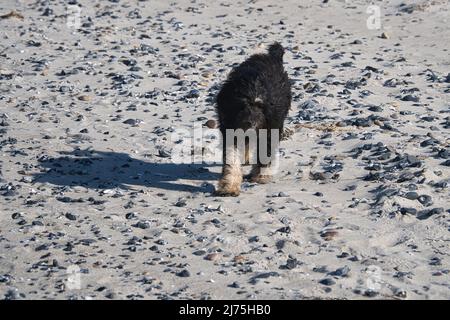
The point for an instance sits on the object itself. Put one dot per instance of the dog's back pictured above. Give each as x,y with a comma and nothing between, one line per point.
257,93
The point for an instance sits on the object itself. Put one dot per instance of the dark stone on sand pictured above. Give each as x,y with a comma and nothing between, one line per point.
327,282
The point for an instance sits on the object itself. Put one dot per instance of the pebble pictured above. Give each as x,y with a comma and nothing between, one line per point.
212,256
84,98
291,263
370,293
142,224
211,124
405,210
425,200
400,293
199,252
329,235
425,214
410,97
264,275
71,216
184,273
130,215
412,195
327,282
133,122
341,272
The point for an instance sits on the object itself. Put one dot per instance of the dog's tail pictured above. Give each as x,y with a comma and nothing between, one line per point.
276,50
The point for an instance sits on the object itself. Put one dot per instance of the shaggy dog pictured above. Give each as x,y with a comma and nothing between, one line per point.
255,96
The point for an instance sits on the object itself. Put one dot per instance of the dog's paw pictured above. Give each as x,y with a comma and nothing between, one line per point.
227,189
261,179
227,192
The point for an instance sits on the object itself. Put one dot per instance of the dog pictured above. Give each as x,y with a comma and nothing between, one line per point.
256,95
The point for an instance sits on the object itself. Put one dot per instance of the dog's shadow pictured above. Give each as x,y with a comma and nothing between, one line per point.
108,170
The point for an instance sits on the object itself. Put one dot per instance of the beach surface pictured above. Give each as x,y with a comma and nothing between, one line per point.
93,204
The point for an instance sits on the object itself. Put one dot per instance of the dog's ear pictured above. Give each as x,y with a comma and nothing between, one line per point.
276,50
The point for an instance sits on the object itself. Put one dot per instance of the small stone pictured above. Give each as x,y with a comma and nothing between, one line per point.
425,214
199,252
329,234
130,215
16,215
207,74
435,261
280,244
401,293
212,256
284,230
327,282
161,242
142,225
84,98
384,35
370,293
181,203
343,255
264,275
341,272
239,259
71,216
194,93
412,195
291,263
410,98
163,153
320,269
211,124
42,247
425,200
183,274
5,278
405,210
375,109
132,122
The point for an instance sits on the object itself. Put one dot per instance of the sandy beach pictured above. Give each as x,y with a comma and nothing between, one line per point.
93,205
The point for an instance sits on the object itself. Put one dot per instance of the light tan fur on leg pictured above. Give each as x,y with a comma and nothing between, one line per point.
248,154
230,183
261,174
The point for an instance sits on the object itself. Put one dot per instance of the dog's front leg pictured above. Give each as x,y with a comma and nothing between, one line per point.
230,183
261,174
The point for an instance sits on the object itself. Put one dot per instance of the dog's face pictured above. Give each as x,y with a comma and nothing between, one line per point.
250,117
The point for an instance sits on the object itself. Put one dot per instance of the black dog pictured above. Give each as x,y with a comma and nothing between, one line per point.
255,96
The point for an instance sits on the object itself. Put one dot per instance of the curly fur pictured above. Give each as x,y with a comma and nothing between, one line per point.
256,95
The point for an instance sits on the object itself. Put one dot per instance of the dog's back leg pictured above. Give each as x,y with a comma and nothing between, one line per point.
262,171
230,182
